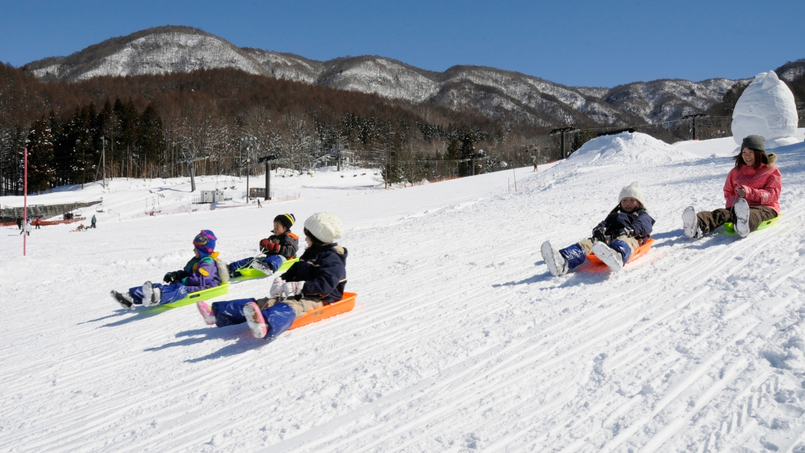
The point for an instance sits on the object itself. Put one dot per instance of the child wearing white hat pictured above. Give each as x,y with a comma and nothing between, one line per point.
612,241
317,279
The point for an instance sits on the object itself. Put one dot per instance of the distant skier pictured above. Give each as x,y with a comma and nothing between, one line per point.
38,223
26,227
613,240
92,221
752,193
317,279
201,272
280,246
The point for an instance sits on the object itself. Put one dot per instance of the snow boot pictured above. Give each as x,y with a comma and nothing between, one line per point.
610,256
269,264
206,312
741,225
125,300
690,223
557,264
151,295
254,317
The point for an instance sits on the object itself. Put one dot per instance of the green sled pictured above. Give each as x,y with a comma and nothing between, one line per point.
728,228
192,298
248,273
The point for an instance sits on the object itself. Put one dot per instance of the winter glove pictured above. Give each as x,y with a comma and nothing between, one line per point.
625,231
171,277
292,289
598,234
266,246
276,288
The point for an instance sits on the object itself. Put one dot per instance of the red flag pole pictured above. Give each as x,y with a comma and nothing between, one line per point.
25,207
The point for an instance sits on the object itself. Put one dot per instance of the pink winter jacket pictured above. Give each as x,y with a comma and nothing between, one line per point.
762,186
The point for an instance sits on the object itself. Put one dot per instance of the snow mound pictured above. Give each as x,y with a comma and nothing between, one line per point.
766,108
627,148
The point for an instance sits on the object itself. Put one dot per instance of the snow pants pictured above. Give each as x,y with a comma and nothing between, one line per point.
273,261
710,220
587,244
278,315
577,253
168,293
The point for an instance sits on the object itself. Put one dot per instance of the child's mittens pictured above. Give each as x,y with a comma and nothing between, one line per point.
293,288
171,277
625,231
264,244
269,247
599,234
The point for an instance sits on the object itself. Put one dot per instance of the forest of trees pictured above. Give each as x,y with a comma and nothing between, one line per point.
224,121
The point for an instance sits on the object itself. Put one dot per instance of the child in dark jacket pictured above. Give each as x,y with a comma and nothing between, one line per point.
613,240
201,272
317,279
280,246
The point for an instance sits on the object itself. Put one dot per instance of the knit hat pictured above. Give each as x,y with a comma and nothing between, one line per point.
287,220
205,242
756,142
633,190
324,226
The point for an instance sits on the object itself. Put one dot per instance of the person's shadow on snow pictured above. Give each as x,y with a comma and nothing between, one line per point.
136,315
583,274
244,341
677,237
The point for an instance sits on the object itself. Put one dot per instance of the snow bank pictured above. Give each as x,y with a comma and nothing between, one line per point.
627,148
766,108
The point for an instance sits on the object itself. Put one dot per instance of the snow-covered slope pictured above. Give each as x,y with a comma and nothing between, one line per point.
460,339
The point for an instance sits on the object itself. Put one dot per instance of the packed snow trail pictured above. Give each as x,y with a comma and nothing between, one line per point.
460,339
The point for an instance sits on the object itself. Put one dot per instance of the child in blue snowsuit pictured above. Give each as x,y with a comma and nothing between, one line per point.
613,240
280,246
317,279
201,272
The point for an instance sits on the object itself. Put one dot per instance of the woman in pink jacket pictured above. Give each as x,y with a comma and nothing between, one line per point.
752,193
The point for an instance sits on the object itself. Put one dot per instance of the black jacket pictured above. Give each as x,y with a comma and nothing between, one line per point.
323,269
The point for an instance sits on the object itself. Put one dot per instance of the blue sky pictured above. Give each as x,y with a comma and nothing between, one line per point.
575,43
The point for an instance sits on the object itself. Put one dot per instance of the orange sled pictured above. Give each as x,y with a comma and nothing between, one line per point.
640,251
344,305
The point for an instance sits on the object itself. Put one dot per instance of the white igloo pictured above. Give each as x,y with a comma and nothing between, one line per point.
766,108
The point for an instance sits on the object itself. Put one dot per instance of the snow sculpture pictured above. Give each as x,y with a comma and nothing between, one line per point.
766,108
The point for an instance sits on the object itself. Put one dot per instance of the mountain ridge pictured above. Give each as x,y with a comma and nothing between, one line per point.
495,93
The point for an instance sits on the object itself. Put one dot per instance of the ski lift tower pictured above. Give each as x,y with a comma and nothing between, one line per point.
192,170
562,132
268,159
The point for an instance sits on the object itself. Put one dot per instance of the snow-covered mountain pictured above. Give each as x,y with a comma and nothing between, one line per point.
492,92
460,339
